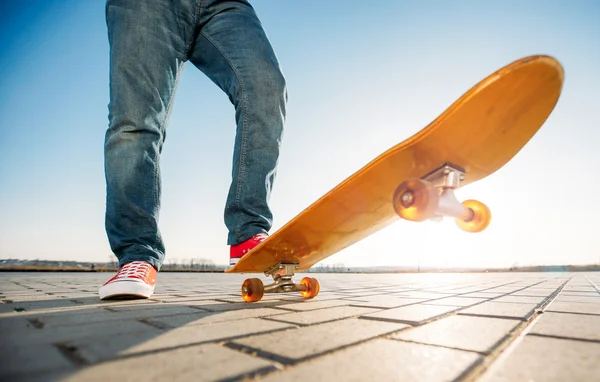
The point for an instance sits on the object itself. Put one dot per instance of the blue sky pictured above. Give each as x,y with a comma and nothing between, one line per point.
362,76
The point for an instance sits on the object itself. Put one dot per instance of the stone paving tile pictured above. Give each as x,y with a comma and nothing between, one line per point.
521,299
431,293
480,334
35,297
456,301
359,293
561,360
46,375
502,290
546,287
534,292
584,299
393,290
17,338
296,344
211,317
195,294
582,294
320,298
577,326
95,302
158,296
180,299
267,298
412,314
219,306
379,301
323,315
77,296
501,310
425,295
30,359
324,295
14,323
524,283
100,349
198,305
156,307
37,305
382,360
197,363
101,315
487,295
472,289
58,318
587,288
79,307
574,307
314,304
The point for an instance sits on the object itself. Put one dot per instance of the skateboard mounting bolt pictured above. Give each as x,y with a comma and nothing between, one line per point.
408,198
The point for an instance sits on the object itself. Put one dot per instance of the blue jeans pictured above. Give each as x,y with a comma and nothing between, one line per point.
150,41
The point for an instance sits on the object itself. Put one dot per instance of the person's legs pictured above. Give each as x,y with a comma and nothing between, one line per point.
149,41
148,45
232,49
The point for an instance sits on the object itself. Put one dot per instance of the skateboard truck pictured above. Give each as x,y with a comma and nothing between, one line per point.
432,197
446,179
282,276
282,273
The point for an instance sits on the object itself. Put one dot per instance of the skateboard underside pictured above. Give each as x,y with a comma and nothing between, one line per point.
415,179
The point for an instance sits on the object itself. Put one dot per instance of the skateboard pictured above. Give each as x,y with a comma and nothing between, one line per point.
415,179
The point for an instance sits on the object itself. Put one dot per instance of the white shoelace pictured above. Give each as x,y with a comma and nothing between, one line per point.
135,269
261,237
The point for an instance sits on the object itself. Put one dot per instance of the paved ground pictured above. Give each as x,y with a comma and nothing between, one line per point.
426,327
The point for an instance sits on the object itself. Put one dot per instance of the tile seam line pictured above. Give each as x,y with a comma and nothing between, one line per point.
593,284
577,339
164,349
287,362
497,356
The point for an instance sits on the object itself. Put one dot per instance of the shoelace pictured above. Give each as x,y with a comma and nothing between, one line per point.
135,269
260,237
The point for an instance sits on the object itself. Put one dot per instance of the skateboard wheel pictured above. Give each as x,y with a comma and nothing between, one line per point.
312,287
252,290
416,200
480,219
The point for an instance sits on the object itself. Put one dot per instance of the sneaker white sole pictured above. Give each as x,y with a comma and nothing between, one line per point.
233,261
125,289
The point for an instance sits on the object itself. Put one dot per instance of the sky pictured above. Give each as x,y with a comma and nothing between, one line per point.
361,77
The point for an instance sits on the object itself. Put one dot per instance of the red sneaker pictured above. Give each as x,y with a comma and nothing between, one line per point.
135,279
236,252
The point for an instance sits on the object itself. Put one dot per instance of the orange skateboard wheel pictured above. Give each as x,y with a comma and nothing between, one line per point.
480,218
312,287
416,200
252,290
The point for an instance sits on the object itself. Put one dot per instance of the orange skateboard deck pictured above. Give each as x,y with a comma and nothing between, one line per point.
415,179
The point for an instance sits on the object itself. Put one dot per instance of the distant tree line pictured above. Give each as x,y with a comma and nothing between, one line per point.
191,264
330,268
